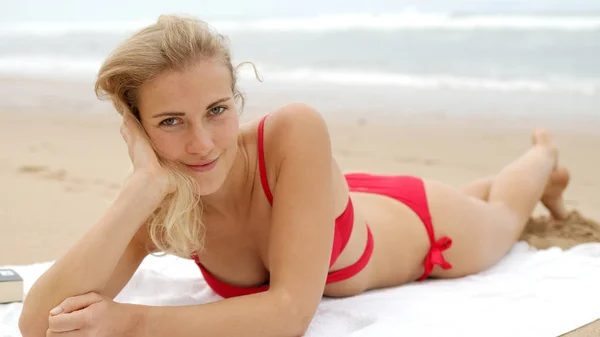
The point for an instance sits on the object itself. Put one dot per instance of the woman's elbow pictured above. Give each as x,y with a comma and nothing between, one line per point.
30,325
296,314
301,321
298,325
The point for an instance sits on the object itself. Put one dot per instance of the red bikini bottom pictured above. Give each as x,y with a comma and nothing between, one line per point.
411,192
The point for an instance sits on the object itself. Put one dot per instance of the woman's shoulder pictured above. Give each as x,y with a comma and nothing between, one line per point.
289,122
292,113
290,129
285,125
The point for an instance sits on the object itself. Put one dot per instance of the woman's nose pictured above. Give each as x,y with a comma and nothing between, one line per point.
200,141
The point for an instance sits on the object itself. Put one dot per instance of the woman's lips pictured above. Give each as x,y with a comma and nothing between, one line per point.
203,168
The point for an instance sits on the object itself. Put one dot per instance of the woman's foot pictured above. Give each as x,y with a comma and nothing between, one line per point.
541,137
552,198
559,179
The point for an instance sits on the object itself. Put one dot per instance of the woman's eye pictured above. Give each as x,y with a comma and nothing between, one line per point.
217,110
169,122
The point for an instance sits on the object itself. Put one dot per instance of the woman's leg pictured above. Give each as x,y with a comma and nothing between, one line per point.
552,197
479,188
484,231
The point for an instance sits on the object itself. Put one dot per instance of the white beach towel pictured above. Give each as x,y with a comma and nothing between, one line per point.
529,293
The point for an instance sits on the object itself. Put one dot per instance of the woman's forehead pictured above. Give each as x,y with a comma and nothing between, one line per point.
202,83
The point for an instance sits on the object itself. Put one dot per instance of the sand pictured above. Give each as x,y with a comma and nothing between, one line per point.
62,160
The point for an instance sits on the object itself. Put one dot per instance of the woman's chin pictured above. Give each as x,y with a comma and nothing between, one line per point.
206,186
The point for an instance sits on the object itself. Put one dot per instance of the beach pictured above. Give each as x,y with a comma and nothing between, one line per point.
448,91
62,159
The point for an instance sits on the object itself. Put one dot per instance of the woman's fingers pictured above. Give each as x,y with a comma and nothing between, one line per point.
76,303
67,322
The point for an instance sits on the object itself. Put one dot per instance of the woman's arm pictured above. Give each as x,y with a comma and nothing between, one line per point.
300,244
89,265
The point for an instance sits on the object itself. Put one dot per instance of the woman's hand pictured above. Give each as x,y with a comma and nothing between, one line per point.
91,315
143,157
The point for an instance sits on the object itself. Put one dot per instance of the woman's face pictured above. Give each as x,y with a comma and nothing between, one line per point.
192,119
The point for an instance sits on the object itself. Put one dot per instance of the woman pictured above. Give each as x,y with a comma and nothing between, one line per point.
262,207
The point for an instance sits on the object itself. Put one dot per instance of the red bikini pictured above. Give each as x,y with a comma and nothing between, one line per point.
406,189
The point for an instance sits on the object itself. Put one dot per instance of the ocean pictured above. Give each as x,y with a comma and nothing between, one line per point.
553,58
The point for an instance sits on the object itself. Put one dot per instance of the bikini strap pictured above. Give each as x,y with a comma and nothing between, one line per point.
261,160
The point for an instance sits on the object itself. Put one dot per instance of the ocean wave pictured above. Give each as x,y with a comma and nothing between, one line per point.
64,67
58,28
418,21
407,20
435,81
49,66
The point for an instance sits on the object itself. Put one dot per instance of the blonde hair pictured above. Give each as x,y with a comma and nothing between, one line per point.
171,44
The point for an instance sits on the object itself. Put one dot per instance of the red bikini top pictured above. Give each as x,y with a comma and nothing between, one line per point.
343,229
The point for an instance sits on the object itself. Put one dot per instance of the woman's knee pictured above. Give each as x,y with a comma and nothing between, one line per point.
506,223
